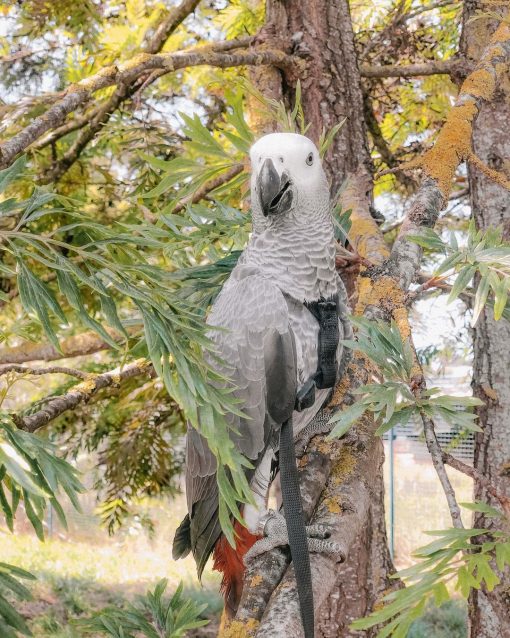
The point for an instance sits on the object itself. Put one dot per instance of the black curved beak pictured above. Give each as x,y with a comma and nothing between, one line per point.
275,194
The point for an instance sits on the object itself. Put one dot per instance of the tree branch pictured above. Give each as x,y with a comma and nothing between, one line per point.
470,471
77,346
154,42
454,66
208,187
125,74
80,393
267,570
73,372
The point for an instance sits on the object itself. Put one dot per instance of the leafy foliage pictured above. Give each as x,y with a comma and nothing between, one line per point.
151,616
391,400
11,621
485,259
31,472
459,559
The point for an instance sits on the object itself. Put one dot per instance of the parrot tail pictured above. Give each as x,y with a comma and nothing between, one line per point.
230,562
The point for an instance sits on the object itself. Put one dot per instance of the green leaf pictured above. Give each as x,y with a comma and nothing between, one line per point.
345,419
401,416
502,555
484,508
10,174
461,282
482,293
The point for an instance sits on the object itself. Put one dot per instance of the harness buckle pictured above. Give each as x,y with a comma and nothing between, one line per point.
305,396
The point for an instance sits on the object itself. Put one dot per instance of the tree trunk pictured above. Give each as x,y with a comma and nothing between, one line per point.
321,32
489,612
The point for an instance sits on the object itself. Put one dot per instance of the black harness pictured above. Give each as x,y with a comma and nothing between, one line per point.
326,313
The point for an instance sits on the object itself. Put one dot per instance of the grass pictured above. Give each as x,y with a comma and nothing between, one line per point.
85,570
78,577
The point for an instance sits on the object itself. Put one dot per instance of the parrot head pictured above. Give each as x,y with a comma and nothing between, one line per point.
287,177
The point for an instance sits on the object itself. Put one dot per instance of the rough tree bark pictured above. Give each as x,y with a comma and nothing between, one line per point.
489,612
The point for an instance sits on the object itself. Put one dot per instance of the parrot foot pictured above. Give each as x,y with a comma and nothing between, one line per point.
275,535
318,425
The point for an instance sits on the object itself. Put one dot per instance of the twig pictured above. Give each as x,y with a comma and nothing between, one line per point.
208,187
80,393
76,346
73,372
436,454
468,470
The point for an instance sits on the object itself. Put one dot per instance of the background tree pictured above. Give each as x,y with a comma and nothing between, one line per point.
491,208
137,216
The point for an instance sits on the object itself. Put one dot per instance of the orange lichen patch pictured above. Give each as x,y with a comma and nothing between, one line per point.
342,387
239,629
332,505
256,580
502,33
452,147
344,465
383,292
490,392
325,447
366,238
480,83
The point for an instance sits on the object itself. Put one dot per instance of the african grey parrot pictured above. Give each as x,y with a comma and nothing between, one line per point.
269,343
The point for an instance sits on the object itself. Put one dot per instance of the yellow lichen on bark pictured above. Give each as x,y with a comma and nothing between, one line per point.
452,147
332,505
502,33
480,83
364,236
256,580
239,629
383,292
86,387
343,466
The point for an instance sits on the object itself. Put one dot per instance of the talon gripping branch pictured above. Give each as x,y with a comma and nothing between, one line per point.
282,317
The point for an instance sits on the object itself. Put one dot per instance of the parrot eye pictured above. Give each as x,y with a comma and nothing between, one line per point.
309,159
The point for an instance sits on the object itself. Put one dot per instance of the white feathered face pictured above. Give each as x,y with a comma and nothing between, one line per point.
287,176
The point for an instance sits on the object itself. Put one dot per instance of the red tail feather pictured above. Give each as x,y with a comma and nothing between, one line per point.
229,562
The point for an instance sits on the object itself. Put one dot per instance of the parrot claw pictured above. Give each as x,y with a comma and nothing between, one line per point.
319,425
275,535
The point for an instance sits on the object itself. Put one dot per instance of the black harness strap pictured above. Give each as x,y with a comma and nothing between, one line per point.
326,313
294,518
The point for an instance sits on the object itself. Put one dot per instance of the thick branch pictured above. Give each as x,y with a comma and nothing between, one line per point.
81,392
267,570
453,66
125,74
77,346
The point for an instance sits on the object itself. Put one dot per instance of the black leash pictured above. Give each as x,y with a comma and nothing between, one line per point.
326,313
295,520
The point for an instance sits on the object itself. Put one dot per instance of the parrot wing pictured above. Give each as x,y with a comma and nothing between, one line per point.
250,329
